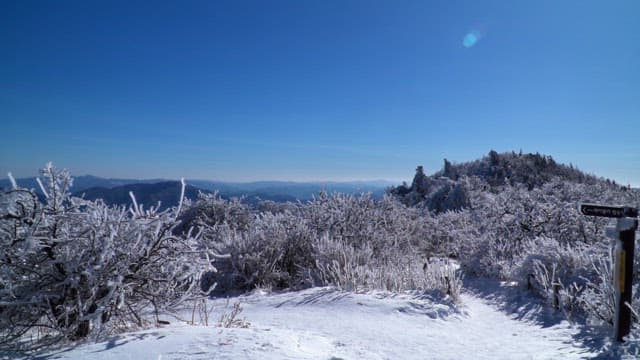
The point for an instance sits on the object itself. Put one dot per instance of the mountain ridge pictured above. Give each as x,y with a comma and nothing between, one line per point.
448,188
440,191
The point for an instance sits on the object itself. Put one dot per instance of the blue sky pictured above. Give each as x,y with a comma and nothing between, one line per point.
322,90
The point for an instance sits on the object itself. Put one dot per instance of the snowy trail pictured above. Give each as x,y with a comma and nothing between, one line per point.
322,323
513,339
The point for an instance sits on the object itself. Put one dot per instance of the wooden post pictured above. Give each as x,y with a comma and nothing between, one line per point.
625,248
556,296
627,224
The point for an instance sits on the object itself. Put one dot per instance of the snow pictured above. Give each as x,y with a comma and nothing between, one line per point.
324,323
626,224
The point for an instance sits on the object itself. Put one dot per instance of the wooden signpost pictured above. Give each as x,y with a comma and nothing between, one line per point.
627,223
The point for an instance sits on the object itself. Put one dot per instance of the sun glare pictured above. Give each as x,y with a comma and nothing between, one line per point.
471,38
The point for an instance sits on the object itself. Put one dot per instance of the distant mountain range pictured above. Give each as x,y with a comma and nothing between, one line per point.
81,182
150,191
440,191
166,193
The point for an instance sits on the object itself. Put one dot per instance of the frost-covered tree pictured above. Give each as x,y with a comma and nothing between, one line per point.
448,170
80,268
420,182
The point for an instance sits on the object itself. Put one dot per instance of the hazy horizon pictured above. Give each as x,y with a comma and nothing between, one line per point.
74,175
316,91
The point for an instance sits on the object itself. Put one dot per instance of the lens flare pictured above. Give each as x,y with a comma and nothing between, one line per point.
471,38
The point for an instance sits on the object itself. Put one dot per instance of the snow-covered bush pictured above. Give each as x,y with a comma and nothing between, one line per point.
359,220
273,251
212,210
359,269
79,268
563,273
341,264
365,244
353,242
538,237
598,298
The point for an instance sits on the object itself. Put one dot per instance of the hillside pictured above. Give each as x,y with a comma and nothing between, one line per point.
166,193
510,168
450,187
81,183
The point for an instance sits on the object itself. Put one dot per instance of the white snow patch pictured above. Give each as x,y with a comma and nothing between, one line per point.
323,323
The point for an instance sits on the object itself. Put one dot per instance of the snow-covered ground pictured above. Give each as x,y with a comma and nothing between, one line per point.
323,323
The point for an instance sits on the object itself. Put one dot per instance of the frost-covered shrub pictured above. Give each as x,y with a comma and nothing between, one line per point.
360,220
385,245
538,237
212,210
343,216
272,252
598,298
80,268
342,265
276,207
354,242
451,234
564,273
506,230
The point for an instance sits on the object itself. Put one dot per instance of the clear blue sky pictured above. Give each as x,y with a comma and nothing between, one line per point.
300,90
